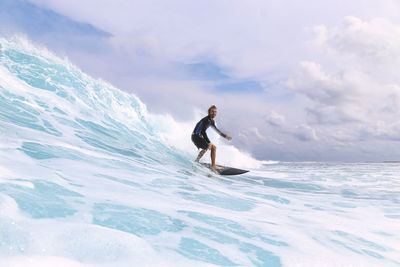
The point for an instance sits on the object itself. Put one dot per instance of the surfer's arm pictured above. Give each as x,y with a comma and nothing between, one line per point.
219,132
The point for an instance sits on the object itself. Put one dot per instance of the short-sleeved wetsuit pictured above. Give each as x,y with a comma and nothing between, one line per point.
199,135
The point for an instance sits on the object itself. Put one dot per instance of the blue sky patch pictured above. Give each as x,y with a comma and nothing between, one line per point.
34,20
204,71
240,87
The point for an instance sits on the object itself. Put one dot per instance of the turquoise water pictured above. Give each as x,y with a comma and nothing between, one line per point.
87,179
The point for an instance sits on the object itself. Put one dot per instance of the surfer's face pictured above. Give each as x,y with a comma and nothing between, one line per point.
213,113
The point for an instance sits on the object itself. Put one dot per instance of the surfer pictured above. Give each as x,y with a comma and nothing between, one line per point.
200,138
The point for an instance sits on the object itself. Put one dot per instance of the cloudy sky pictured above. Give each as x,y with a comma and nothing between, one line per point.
293,80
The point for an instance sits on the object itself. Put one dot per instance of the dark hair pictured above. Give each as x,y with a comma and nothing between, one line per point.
210,108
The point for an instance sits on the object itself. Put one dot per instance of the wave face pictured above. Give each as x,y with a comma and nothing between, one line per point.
85,179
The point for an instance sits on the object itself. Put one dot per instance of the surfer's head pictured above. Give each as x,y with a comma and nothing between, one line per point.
212,111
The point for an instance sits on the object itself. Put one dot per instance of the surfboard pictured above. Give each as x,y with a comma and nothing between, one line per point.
225,169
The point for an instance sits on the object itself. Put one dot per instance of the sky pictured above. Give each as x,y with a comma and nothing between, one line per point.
294,80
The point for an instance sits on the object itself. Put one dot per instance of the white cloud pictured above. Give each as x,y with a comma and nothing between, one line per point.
251,133
355,93
248,38
275,119
305,133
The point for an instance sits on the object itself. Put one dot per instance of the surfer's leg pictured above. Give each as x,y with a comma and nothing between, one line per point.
200,143
201,154
213,156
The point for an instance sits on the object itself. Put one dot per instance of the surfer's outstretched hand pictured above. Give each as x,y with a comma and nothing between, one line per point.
229,138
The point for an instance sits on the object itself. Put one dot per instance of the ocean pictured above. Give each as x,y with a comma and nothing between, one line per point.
88,177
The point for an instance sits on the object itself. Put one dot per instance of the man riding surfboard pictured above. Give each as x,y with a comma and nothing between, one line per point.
200,138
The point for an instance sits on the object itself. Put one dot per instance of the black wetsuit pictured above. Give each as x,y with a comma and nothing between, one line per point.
199,135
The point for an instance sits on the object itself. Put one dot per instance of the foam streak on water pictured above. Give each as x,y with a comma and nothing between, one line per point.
87,180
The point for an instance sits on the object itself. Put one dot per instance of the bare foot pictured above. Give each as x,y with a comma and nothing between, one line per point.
215,167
